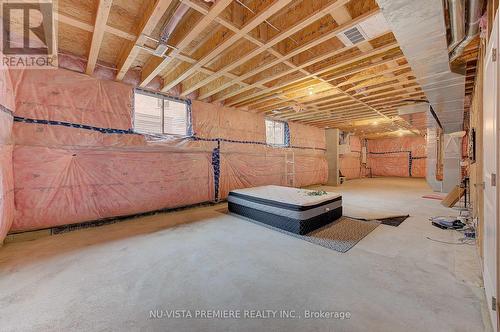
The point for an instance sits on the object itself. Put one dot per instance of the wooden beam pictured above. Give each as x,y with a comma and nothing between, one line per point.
99,28
369,85
309,63
132,37
125,35
275,40
254,22
376,51
148,23
368,77
358,69
295,52
337,96
90,28
341,15
304,116
373,108
343,115
237,14
344,106
155,65
397,88
365,46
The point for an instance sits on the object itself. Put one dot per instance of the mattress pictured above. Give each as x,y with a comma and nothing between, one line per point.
295,210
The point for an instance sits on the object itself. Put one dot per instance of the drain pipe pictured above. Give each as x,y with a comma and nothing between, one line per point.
473,16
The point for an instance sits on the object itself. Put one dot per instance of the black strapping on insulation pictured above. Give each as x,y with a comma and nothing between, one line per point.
190,130
196,138
410,158
215,152
74,125
216,156
216,167
131,132
6,110
287,134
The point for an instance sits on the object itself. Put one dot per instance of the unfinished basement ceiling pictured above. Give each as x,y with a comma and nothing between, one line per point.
319,62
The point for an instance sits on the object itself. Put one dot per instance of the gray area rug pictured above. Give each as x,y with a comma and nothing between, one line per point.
340,235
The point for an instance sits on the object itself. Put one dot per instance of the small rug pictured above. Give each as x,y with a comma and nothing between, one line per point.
389,221
393,221
340,235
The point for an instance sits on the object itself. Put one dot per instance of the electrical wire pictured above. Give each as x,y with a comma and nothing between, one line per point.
462,241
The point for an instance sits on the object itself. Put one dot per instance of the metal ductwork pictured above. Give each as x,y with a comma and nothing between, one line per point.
474,10
456,11
419,27
169,27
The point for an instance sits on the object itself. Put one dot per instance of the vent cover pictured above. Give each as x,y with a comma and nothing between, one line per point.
370,28
352,36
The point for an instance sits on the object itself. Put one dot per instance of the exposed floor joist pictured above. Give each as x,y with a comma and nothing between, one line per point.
101,18
267,56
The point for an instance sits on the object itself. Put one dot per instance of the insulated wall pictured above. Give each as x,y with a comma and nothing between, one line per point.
399,156
6,176
245,158
77,159
402,156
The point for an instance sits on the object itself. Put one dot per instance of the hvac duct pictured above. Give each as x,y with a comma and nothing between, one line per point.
456,13
179,13
420,30
167,30
474,10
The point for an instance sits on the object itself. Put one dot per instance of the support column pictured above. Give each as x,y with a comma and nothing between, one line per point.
332,156
452,172
432,160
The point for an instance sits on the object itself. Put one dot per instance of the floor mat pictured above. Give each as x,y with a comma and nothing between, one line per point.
389,221
341,235
393,221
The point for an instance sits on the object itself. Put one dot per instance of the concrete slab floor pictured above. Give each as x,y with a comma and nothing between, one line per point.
109,278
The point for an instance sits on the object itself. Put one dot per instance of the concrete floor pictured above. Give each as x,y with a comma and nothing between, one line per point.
109,278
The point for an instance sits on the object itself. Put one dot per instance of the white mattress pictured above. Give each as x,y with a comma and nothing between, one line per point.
287,195
284,212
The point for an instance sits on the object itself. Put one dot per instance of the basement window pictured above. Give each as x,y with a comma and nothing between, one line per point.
158,114
277,133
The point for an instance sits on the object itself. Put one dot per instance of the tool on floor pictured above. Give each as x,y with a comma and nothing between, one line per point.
447,222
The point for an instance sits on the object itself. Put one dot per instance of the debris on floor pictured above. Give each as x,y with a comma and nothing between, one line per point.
447,222
453,197
434,196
